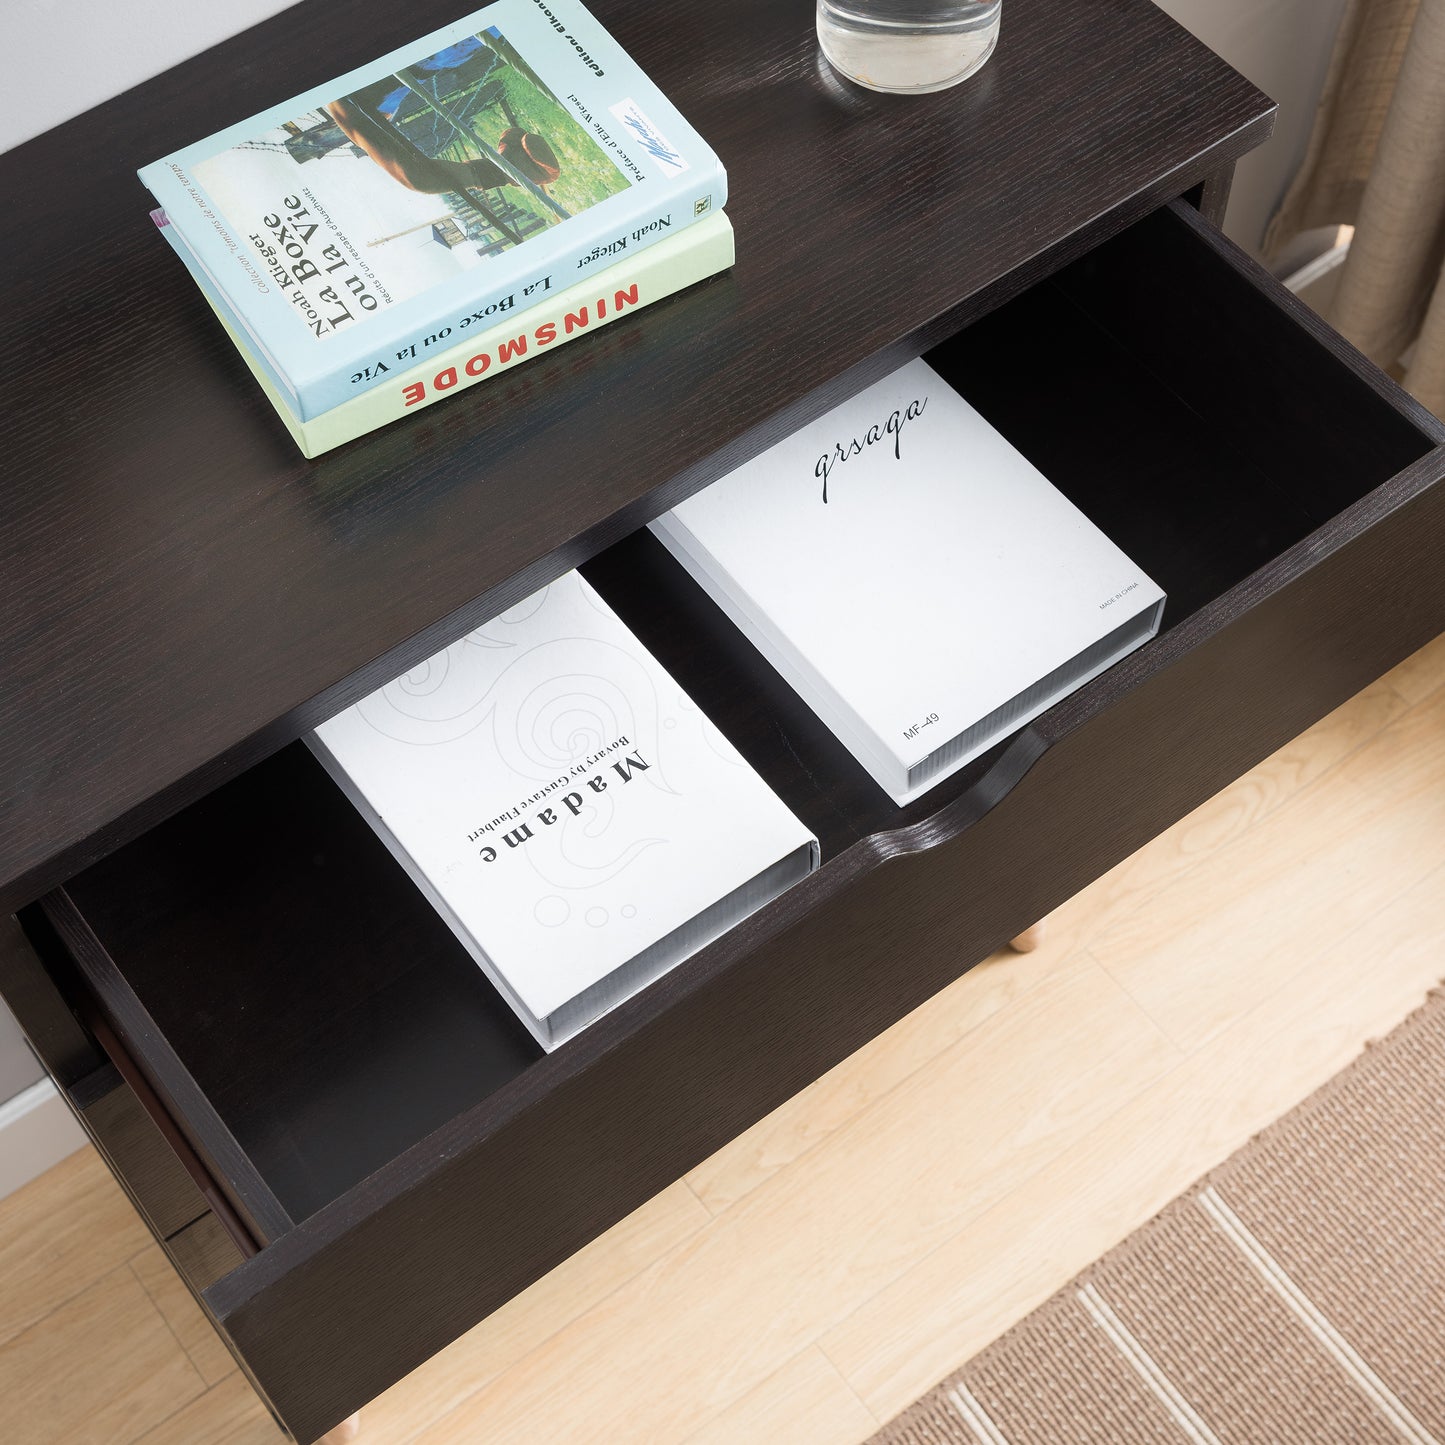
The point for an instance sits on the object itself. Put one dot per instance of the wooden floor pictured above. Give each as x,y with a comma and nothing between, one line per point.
815,1276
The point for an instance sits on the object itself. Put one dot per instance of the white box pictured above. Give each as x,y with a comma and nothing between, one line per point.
567,809
919,583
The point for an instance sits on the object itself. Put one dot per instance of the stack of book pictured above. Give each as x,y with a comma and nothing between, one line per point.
566,808
416,226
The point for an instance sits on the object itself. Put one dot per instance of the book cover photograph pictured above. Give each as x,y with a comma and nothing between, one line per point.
373,222
577,820
996,596
426,172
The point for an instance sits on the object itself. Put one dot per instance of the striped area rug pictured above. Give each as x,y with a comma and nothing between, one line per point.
1297,1294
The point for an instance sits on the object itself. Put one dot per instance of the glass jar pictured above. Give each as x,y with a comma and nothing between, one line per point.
907,47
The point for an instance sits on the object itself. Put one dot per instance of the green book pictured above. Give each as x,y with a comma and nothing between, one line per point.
681,260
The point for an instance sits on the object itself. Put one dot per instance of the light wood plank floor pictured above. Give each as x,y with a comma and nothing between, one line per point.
816,1275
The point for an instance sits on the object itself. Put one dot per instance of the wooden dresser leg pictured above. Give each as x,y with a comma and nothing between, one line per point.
347,1430
1030,938
1214,194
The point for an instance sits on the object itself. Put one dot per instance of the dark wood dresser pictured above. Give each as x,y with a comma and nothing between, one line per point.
309,1090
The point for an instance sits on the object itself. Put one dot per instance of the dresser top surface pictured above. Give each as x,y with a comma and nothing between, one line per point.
181,592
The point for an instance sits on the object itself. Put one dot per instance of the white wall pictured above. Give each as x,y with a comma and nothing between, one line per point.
1281,45
19,1068
100,49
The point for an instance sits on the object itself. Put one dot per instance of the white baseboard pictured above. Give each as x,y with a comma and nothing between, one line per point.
36,1131
1316,283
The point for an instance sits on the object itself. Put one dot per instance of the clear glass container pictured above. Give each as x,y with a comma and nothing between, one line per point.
907,47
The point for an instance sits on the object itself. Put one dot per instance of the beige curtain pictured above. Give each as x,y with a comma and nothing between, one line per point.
1376,160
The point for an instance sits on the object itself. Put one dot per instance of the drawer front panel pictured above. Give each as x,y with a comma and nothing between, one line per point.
143,1057
110,1095
165,1193
203,1252
138,1154
415,1264
158,1183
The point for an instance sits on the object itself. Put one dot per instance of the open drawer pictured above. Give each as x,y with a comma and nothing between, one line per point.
390,1148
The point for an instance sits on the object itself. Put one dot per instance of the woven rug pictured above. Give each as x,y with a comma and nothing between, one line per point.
1296,1294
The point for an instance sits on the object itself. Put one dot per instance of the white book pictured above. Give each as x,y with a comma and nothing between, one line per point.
923,587
563,804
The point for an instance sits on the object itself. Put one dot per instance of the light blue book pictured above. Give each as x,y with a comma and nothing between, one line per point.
375,220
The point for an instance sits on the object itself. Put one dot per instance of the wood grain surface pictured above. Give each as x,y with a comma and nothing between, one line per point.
352,1022
181,594
427,1244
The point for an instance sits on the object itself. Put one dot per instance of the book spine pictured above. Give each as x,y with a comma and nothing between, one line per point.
659,211
261,364
675,263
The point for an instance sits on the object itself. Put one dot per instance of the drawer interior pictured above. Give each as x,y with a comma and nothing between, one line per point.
262,950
